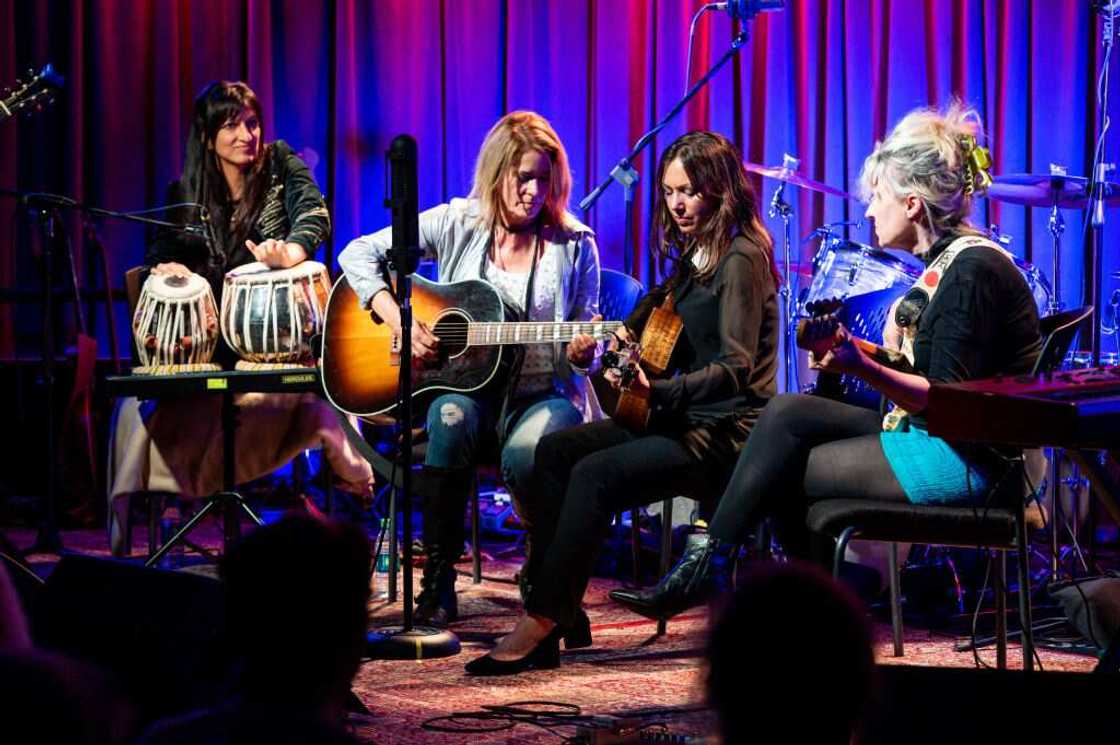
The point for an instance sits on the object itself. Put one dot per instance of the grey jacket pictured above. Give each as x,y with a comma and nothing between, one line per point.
452,235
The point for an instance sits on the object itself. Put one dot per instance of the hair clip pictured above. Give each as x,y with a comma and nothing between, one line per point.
977,162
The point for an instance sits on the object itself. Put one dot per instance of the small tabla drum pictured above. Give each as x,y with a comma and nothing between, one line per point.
843,268
270,315
175,326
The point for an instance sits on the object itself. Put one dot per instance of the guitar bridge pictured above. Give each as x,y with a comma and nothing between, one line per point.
395,350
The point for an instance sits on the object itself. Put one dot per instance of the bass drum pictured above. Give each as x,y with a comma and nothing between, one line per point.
843,268
1040,286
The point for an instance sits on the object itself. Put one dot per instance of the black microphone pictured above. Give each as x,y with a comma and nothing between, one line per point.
744,10
404,203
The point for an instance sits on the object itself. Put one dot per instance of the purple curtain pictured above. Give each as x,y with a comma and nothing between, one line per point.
821,80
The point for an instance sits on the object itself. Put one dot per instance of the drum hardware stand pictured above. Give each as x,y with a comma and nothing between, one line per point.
46,208
779,207
228,499
1057,225
406,642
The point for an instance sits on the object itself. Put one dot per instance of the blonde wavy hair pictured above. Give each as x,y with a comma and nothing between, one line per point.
925,155
515,134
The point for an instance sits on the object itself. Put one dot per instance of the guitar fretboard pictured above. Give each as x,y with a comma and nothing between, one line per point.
530,332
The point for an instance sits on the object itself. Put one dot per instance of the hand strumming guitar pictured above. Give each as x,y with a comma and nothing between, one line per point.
425,344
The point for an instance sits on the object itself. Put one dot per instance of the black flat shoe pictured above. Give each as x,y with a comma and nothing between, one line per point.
578,635
545,656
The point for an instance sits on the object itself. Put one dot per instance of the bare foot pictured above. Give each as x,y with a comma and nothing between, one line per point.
528,632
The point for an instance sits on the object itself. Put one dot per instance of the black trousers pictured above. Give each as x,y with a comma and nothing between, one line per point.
582,477
804,449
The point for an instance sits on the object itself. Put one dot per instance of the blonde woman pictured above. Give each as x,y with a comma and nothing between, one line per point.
515,232
973,318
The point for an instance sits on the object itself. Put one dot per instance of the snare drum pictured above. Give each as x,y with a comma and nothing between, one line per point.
1040,286
844,268
269,316
176,322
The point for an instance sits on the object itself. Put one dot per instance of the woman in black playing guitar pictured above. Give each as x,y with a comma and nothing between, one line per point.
723,289
970,315
514,231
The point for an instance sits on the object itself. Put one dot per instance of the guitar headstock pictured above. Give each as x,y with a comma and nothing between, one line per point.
819,332
827,307
34,93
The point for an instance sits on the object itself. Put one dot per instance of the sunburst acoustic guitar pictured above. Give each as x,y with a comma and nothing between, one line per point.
362,356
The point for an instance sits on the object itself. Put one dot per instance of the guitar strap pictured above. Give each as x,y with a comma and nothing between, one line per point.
908,309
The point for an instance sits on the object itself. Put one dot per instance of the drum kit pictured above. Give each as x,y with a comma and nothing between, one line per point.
268,318
847,269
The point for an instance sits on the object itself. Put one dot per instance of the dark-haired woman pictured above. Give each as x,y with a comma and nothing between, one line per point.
262,204
723,287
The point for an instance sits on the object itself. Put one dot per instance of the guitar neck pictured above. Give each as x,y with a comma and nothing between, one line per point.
891,358
532,332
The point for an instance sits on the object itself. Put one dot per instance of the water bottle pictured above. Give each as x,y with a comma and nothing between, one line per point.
381,563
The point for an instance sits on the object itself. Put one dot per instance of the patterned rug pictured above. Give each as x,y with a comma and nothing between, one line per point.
630,672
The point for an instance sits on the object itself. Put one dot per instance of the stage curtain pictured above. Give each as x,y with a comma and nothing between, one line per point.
821,80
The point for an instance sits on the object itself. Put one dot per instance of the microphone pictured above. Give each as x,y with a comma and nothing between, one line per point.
1098,194
404,203
744,10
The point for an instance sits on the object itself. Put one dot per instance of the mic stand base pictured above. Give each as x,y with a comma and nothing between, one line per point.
415,643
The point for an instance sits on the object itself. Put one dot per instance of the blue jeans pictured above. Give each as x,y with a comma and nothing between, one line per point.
458,424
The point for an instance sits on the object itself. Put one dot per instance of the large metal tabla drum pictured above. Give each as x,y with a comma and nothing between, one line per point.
269,316
175,326
842,269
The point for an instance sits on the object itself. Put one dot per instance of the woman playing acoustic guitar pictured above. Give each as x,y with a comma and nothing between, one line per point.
514,231
723,289
970,315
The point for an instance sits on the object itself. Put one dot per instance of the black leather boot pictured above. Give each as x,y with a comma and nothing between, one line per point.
447,491
701,574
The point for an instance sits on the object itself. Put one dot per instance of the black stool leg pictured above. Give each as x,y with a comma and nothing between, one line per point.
999,585
896,599
1025,615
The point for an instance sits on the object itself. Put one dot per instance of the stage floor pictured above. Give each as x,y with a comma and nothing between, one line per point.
629,671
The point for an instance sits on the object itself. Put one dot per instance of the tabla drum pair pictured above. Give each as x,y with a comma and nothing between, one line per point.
267,317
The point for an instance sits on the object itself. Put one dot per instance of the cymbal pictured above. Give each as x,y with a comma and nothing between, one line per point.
1045,190
780,173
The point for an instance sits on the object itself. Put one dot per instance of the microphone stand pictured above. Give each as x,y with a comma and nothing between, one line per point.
406,642
46,208
625,174
779,207
1097,179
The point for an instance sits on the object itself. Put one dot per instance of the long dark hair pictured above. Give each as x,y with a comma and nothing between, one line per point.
202,180
715,168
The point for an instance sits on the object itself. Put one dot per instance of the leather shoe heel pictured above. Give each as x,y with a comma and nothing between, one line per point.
545,656
578,635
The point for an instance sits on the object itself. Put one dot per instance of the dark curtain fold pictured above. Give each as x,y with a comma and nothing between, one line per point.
822,80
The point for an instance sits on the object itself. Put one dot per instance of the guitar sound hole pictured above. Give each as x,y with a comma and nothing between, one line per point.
451,328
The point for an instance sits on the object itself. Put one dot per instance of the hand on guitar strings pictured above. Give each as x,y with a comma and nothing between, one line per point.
171,267
425,345
581,349
843,357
